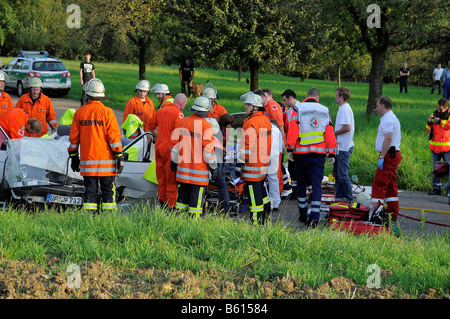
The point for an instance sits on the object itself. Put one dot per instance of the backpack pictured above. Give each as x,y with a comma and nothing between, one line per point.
343,211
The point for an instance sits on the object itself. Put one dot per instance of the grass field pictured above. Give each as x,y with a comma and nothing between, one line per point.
213,246
412,109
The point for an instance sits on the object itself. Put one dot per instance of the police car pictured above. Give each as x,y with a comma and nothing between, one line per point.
53,73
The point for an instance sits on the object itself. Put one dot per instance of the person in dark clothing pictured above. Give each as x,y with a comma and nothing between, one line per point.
187,71
404,75
87,72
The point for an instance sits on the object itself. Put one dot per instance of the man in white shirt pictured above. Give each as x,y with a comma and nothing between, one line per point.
344,131
384,187
437,78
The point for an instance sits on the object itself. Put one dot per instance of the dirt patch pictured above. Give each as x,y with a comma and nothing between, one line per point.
97,280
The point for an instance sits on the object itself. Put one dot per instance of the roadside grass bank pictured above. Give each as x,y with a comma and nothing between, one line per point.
213,253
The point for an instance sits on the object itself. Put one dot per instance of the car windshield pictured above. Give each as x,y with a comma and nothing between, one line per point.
48,66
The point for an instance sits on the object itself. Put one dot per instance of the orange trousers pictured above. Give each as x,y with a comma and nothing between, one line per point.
167,183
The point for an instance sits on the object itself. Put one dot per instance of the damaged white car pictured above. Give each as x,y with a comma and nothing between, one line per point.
37,170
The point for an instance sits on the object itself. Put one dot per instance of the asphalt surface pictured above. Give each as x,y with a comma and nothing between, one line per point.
420,213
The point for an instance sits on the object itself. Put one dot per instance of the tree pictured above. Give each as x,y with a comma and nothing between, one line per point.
137,20
251,32
399,25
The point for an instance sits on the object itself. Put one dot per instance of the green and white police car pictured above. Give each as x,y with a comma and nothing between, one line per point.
53,73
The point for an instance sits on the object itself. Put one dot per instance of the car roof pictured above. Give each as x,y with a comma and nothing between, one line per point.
37,56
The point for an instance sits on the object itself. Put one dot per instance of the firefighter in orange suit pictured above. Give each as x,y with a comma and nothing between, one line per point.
15,124
162,94
96,133
311,137
274,111
140,105
6,104
216,110
193,157
165,120
37,105
254,156
438,128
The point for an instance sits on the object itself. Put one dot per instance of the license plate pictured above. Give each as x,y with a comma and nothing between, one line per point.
52,80
64,199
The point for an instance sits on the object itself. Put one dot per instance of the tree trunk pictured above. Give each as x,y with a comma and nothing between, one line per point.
254,72
142,47
376,80
339,75
240,71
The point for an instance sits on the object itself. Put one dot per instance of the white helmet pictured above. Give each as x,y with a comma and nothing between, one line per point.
252,98
201,104
206,87
95,89
214,124
210,93
2,76
143,85
35,83
160,88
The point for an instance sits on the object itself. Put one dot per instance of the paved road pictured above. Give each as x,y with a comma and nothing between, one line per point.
436,208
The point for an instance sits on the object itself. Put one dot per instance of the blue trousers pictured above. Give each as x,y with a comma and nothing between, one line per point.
446,89
309,169
340,172
222,190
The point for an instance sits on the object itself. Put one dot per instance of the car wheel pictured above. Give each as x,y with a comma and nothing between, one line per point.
19,89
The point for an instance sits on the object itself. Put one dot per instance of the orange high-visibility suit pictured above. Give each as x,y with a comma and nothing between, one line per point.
274,112
217,111
193,141
144,110
42,109
14,123
256,143
254,153
6,104
165,101
96,132
165,119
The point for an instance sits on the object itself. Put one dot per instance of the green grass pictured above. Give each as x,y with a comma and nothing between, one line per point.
412,110
151,238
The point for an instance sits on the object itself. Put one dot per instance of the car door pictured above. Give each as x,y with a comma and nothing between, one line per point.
10,80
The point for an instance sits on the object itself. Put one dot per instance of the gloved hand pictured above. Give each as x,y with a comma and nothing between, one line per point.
75,161
331,160
290,155
120,162
380,163
173,166
214,173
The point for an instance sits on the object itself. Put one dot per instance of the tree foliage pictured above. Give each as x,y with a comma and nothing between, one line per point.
403,25
243,32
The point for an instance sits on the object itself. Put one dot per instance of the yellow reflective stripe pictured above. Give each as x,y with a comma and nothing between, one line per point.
90,206
440,143
181,206
252,195
314,133
200,197
303,141
443,122
266,200
109,206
